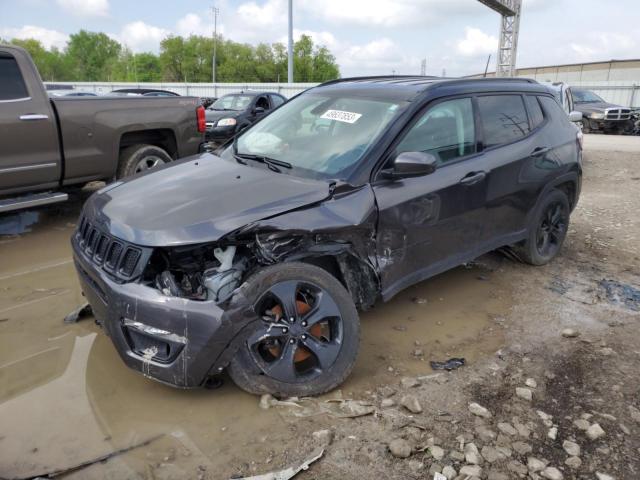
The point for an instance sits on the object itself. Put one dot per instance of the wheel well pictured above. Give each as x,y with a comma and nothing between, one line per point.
163,138
355,275
569,189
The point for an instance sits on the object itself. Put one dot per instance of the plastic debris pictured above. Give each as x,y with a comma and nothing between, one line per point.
451,364
79,313
291,471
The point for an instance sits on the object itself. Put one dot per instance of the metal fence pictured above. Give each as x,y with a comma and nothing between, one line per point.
618,92
194,89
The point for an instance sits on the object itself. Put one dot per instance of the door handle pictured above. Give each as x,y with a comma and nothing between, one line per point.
473,177
33,116
538,152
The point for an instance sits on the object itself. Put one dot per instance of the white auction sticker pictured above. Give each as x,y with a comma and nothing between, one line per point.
341,116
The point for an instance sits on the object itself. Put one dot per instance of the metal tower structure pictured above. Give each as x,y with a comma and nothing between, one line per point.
509,30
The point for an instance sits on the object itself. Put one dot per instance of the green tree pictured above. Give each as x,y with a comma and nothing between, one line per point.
93,56
51,63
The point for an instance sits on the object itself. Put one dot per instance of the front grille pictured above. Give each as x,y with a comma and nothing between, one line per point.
116,257
618,114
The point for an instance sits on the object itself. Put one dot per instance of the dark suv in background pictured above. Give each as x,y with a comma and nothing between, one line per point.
233,113
599,115
256,261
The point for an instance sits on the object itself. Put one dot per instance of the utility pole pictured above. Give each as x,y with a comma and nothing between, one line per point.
423,67
290,46
215,11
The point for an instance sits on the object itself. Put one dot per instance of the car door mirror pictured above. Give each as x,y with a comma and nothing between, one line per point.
258,110
575,116
412,164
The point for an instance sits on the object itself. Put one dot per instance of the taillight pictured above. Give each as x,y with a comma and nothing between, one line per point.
201,119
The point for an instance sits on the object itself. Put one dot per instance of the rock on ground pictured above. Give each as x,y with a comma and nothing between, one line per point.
572,448
595,431
400,448
552,473
479,410
411,403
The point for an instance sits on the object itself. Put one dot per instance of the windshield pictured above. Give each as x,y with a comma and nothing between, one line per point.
232,102
585,96
322,135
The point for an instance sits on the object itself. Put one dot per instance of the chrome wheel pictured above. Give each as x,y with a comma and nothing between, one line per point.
148,162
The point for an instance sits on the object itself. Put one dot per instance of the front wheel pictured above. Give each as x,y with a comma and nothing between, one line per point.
548,230
307,336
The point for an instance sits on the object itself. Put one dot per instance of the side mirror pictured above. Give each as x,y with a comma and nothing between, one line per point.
575,116
258,110
412,164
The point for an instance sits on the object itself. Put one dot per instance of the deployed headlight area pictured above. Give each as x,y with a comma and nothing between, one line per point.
204,272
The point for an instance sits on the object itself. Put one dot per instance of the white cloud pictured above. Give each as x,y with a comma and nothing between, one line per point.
606,46
476,42
86,8
193,24
48,38
387,13
141,37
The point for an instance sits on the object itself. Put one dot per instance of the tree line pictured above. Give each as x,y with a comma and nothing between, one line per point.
96,57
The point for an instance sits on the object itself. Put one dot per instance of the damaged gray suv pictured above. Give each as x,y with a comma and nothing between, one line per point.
257,260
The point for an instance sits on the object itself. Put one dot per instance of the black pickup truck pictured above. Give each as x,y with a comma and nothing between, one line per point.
49,144
599,115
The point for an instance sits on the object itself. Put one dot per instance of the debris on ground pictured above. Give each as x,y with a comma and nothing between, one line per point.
451,364
621,294
289,472
83,311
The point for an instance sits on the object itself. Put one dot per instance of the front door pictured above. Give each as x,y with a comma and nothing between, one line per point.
429,224
28,135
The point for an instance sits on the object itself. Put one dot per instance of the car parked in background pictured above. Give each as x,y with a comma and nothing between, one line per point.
70,93
234,112
145,92
599,115
256,260
49,143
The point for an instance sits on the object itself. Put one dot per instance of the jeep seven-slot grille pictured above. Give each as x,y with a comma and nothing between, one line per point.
113,255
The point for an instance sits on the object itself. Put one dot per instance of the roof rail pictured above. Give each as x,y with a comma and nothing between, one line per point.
423,77
380,77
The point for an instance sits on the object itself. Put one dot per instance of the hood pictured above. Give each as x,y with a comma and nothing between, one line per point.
215,115
596,107
196,200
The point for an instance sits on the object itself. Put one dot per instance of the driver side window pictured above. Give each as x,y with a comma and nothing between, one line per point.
446,130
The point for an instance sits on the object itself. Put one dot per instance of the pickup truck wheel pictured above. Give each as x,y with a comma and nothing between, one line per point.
307,338
547,231
586,126
139,158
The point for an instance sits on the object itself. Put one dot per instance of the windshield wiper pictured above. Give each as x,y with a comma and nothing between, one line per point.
272,163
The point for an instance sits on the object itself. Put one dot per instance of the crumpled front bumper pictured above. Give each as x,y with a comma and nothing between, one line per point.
174,340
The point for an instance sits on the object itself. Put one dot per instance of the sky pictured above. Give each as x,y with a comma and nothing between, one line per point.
366,36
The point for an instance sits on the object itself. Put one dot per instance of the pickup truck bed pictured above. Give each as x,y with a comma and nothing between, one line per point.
48,144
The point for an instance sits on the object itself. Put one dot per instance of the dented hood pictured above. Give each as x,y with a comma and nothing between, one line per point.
196,200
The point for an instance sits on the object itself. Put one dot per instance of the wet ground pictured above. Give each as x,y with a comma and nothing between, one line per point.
66,398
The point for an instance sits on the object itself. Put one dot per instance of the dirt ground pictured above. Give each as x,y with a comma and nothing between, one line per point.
550,388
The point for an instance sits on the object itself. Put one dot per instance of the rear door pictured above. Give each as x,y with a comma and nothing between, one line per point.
29,156
429,224
512,149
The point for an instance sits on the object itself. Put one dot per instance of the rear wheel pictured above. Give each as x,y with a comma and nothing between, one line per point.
548,231
306,341
140,158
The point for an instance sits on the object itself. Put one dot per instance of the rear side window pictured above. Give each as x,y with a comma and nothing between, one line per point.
551,107
276,100
446,130
12,84
536,116
504,119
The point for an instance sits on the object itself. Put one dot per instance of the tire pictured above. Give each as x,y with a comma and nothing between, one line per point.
551,221
139,158
260,365
586,126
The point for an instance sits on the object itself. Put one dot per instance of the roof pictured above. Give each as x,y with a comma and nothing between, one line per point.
407,87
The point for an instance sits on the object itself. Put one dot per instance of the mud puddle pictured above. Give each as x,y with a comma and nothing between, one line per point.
67,398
